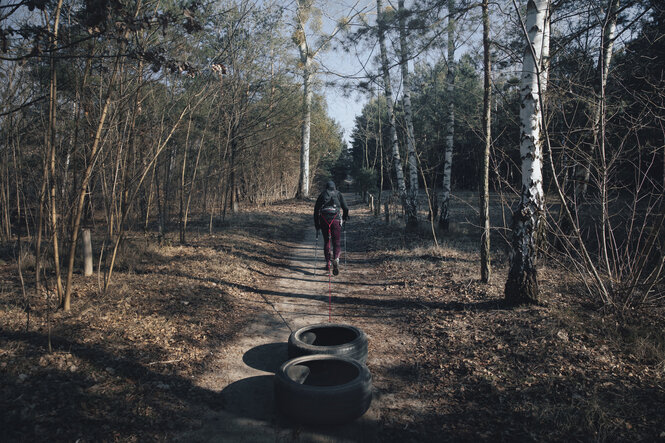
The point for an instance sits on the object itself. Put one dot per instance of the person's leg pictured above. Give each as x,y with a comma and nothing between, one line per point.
326,241
336,241
336,230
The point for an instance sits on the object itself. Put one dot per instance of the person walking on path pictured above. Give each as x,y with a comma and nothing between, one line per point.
327,218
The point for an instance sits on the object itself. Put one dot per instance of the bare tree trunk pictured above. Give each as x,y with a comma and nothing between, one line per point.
78,115
113,201
5,203
307,54
397,160
5,186
233,178
159,194
191,186
485,269
160,147
522,283
599,136
94,150
135,156
379,147
302,14
166,212
411,207
40,228
303,190
608,34
151,186
51,144
444,220
181,214
19,260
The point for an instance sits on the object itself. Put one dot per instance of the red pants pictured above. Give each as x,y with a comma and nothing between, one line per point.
329,230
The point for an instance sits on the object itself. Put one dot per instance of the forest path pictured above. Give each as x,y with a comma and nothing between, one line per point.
298,295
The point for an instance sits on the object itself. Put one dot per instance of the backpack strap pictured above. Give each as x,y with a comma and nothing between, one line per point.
332,205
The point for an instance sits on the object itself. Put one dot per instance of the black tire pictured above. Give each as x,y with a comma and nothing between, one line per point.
323,389
329,339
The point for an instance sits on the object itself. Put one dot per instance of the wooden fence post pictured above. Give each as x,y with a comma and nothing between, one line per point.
87,253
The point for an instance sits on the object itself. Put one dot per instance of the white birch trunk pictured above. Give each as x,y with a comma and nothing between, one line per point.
522,284
307,55
306,128
608,38
604,59
485,269
306,60
411,206
444,220
397,160
545,53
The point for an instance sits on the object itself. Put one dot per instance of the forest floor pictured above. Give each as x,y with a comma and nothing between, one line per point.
183,345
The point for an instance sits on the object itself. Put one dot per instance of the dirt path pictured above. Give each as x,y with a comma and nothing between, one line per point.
297,296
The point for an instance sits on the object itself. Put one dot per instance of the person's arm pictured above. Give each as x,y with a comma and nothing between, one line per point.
345,208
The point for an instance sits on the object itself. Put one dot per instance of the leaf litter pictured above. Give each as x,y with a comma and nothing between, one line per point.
125,364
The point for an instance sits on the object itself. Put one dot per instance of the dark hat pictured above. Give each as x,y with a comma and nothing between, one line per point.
330,185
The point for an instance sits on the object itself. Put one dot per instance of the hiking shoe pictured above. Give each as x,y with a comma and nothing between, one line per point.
328,267
336,266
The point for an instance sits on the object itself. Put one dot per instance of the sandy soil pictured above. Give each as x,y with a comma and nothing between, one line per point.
299,293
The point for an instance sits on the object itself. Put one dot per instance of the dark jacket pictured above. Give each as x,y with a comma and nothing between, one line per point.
330,200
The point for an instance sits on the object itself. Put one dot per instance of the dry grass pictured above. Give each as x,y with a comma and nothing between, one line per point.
565,370
124,365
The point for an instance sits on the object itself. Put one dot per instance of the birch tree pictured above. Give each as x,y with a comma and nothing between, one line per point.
397,160
608,35
444,220
522,283
306,56
485,270
411,205
307,52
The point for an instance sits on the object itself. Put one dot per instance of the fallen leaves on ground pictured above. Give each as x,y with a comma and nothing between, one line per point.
449,361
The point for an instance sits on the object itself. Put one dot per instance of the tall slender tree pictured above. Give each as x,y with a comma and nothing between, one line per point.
307,54
522,283
444,220
411,206
95,148
388,91
51,147
485,269
608,35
